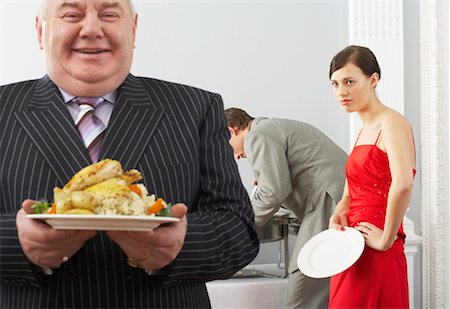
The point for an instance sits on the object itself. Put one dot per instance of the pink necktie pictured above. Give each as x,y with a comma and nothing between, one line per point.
91,128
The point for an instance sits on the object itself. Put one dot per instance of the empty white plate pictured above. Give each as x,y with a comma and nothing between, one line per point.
330,252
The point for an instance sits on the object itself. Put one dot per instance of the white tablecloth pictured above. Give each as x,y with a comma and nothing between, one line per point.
246,293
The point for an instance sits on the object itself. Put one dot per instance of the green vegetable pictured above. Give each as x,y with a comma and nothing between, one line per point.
165,212
41,207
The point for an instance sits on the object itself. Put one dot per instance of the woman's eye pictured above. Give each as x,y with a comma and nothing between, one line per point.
350,82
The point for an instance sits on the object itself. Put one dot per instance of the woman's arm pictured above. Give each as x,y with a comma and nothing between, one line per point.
399,144
339,218
397,141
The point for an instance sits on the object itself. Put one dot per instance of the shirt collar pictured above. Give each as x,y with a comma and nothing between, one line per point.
110,97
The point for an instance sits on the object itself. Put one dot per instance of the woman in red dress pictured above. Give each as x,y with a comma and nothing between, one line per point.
380,172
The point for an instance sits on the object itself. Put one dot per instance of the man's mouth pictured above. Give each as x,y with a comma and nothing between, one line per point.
91,51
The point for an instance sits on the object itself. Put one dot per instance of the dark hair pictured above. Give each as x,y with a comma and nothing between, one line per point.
237,117
360,56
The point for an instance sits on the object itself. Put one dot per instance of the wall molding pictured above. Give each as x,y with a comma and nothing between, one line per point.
434,49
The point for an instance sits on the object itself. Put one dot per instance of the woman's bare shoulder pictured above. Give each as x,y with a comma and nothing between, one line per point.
392,119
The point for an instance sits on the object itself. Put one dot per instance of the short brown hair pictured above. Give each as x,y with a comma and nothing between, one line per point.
237,117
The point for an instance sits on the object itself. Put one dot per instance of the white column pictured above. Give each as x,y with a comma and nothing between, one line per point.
378,25
434,44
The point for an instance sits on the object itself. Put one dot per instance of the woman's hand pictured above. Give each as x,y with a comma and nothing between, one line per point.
338,221
373,236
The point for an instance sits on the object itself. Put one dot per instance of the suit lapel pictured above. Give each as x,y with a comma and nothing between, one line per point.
50,126
133,121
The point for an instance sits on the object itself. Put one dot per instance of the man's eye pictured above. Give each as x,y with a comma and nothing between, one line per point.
109,16
72,17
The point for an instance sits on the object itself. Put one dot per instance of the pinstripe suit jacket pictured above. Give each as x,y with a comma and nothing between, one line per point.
176,136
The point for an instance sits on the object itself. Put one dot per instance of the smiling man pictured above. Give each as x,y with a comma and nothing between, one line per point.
89,107
88,45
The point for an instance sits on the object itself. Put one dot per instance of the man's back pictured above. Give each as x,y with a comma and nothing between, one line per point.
313,162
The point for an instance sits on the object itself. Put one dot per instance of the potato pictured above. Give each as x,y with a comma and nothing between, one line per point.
84,200
63,205
79,211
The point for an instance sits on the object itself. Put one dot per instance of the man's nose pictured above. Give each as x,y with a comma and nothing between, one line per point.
92,27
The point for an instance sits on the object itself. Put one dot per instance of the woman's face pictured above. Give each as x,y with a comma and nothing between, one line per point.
352,88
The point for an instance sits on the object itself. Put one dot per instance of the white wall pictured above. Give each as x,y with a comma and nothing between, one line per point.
270,58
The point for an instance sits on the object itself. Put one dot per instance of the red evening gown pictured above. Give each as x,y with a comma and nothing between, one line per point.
379,278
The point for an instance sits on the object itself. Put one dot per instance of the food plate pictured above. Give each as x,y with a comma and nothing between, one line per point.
330,252
104,222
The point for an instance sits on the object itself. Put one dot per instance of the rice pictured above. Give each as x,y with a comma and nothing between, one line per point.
126,203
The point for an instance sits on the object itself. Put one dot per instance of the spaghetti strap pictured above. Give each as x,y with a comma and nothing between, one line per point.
376,142
357,138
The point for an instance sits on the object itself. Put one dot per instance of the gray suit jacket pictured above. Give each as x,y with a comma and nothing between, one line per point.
295,165
177,137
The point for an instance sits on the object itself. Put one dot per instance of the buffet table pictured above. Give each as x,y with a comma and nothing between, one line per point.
260,291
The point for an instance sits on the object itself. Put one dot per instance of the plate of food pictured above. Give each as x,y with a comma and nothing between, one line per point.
103,222
330,252
102,196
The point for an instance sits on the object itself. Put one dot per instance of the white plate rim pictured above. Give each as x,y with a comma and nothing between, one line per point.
352,255
102,222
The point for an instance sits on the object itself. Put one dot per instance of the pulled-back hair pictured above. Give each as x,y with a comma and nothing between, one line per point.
237,117
360,56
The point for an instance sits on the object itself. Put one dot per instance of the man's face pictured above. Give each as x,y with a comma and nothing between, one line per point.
88,43
237,142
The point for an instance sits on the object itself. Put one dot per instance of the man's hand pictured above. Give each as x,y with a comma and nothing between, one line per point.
156,249
43,245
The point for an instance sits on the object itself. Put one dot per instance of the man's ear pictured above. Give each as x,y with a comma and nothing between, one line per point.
233,130
39,31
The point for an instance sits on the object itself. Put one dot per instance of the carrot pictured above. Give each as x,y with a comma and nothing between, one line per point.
135,188
156,207
53,209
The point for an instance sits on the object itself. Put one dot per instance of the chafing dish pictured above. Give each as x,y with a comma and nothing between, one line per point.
278,228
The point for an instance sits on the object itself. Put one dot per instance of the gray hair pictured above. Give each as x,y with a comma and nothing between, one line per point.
44,5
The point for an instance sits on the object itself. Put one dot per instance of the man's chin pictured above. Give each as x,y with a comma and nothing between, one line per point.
91,76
